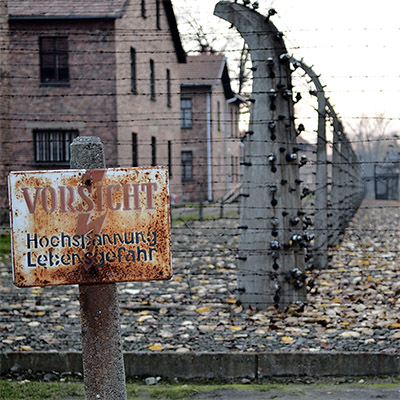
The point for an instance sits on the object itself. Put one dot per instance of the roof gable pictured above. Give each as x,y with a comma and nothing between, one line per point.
207,70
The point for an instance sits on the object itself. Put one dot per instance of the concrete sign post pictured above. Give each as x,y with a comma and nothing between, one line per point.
92,226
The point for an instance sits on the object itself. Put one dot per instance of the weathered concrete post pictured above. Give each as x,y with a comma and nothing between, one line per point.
336,177
271,268
320,250
103,363
345,150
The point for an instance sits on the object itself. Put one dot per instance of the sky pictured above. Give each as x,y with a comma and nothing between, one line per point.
354,45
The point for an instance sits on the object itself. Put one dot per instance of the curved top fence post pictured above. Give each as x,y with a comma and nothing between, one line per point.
272,242
320,251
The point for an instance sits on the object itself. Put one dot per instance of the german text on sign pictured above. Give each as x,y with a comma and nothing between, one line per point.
90,226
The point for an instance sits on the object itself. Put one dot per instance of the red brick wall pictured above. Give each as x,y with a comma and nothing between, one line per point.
195,139
139,113
87,103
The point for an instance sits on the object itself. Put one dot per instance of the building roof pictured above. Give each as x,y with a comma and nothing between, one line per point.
207,69
203,69
27,9
81,9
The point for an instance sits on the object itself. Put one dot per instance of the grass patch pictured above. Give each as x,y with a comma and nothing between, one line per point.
195,217
35,390
173,393
40,390
5,245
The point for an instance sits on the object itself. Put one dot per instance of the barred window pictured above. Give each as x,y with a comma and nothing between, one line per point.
153,151
169,88
186,113
152,81
158,20
134,149
133,71
52,146
170,157
53,60
143,7
187,165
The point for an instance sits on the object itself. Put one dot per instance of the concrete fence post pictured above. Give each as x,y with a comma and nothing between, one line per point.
320,250
271,265
337,184
103,364
347,181
335,188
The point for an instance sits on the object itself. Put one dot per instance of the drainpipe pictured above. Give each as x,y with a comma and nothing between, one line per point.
209,152
227,181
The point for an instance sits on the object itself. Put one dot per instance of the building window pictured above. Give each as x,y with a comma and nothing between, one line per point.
186,113
168,88
153,151
53,60
134,150
143,4
232,124
52,146
158,22
187,165
170,157
236,122
133,71
233,172
152,81
218,116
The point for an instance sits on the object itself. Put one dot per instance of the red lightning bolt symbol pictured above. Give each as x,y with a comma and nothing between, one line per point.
85,224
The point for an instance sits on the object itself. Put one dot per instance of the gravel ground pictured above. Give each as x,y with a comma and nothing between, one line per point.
353,306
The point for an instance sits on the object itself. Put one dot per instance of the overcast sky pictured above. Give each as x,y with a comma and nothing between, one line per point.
353,44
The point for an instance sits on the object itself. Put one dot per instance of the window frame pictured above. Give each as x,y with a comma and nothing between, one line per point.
143,9
152,80
153,151
56,67
53,150
133,71
135,150
169,144
187,165
219,116
158,16
186,123
169,94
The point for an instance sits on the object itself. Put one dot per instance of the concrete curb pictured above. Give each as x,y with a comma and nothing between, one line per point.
217,366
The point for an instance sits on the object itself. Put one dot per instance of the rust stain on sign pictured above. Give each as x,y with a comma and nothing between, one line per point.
90,226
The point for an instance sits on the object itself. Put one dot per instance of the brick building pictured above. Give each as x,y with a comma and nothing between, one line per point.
211,145
98,68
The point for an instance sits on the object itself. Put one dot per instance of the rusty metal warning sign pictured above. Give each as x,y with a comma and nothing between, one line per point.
90,226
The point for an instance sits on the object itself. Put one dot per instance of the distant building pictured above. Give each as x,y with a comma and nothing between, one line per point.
211,145
95,68
387,176
307,157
